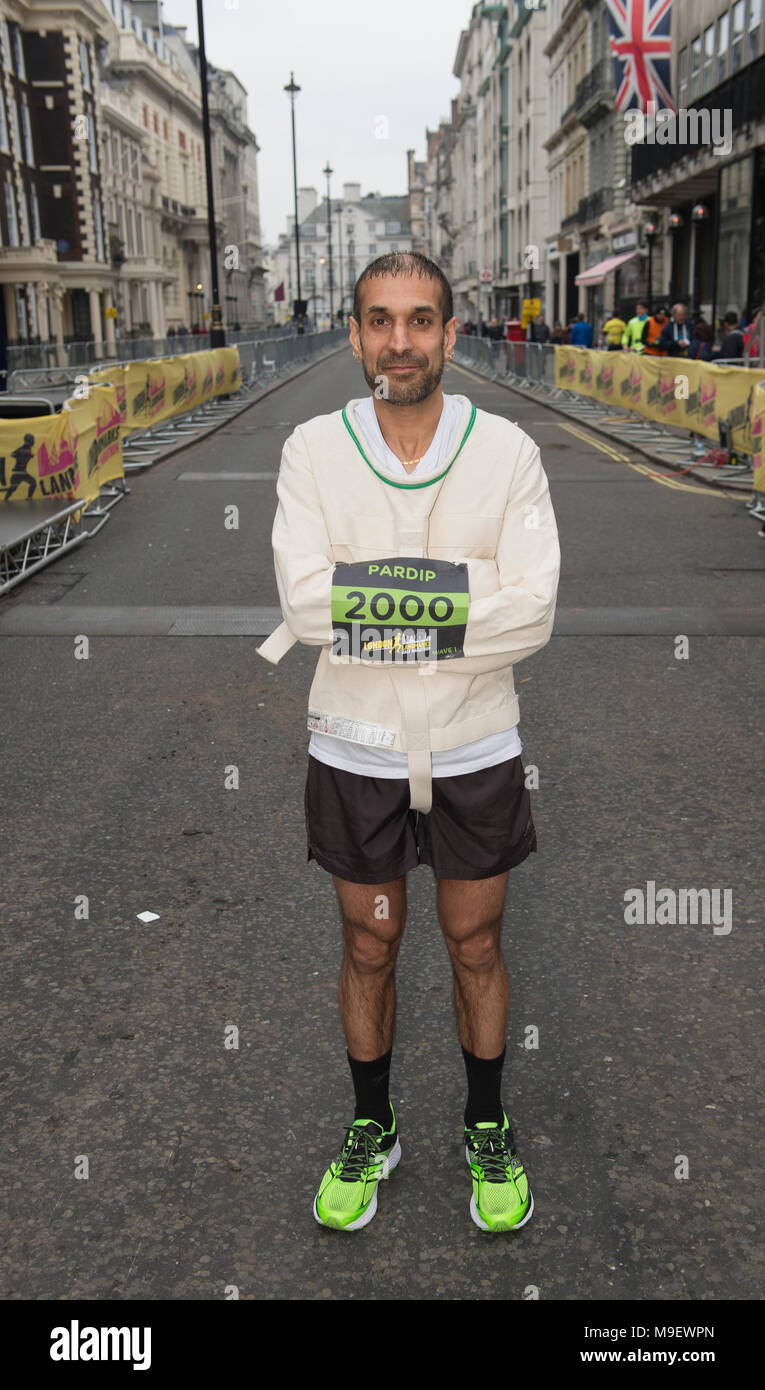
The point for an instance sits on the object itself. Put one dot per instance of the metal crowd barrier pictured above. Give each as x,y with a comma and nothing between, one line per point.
530,367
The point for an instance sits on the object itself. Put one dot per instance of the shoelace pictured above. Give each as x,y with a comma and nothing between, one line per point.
359,1154
494,1155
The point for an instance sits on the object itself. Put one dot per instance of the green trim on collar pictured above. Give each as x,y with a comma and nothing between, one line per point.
428,481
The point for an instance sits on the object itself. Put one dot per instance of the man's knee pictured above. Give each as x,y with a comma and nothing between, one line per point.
476,949
371,949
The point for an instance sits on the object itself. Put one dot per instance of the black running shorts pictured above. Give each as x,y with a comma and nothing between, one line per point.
362,829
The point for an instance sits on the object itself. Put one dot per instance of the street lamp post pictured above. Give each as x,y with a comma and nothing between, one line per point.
326,170
674,225
340,255
650,231
217,335
298,307
699,214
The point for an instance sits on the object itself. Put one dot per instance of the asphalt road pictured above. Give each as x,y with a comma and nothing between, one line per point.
203,1159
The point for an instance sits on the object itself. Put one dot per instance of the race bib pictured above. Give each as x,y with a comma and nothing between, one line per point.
401,609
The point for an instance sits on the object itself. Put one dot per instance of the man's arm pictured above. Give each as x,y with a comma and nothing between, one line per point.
512,598
302,548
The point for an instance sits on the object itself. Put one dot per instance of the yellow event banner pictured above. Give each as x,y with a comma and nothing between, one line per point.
67,456
758,436
149,392
70,455
671,390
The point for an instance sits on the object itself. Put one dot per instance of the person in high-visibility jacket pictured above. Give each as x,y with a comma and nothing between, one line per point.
632,337
652,331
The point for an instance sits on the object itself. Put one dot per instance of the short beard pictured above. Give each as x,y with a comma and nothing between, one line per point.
404,392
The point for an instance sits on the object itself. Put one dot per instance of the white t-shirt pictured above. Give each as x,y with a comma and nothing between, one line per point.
389,762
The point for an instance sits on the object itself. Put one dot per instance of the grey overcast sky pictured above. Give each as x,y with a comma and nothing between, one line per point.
355,63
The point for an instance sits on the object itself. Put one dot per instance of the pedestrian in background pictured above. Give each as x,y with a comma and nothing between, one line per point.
653,329
700,349
581,332
732,344
540,332
632,338
675,335
614,329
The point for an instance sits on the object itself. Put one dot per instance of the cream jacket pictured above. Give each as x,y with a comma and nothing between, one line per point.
489,506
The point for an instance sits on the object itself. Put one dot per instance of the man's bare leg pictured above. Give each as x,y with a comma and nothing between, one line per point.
470,915
373,918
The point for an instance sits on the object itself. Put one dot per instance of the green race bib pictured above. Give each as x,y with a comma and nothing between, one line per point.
401,609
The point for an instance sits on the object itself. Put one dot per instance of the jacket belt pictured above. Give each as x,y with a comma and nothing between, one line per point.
411,692
279,642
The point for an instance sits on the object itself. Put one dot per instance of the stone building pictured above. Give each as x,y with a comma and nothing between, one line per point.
54,270
362,229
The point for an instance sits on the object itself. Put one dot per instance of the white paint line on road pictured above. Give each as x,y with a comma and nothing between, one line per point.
123,620
226,477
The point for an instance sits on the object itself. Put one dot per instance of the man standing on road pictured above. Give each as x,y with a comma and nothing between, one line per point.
415,544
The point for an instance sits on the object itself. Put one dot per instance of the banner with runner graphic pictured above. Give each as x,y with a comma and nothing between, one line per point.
404,609
67,456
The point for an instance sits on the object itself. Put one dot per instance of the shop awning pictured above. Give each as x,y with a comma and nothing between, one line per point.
597,273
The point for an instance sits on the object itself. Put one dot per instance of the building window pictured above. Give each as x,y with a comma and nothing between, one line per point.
24,220
15,124
139,233
130,239
391,228
85,66
755,19
156,124
146,116
10,213
709,55
372,249
134,162
116,153
164,130
3,126
26,128
737,46
182,139
21,310
723,32
32,306
693,85
98,228
92,145
35,211
682,76
18,54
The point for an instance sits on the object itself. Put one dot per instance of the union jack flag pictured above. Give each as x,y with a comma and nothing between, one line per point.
641,46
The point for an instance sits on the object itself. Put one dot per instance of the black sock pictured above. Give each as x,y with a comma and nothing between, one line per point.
484,1078
370,1082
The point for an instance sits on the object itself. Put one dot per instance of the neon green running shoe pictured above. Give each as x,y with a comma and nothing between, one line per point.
501,1199
347,1196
